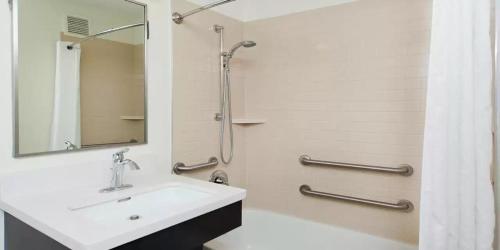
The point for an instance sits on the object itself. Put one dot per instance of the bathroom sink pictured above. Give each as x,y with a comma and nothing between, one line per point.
143,206
81,218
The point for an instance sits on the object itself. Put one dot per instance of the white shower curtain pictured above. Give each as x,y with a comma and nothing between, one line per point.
457,211
66,112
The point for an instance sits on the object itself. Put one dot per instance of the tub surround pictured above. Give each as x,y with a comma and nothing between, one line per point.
306,84
196,100
52,202
349,90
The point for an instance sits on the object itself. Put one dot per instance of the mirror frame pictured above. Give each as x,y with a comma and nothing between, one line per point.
14,8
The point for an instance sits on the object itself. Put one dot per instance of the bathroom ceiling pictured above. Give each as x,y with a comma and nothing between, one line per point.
250,10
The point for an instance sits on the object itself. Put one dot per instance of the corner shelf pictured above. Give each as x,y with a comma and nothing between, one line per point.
248,121
132,117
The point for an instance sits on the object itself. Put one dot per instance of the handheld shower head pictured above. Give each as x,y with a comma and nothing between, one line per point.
246,44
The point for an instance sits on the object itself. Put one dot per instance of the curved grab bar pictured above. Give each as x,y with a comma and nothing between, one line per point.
402,205
180,167
403,169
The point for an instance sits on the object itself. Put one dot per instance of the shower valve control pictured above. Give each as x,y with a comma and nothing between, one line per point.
219,177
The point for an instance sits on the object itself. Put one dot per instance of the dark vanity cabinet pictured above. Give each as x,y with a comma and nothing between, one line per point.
188,235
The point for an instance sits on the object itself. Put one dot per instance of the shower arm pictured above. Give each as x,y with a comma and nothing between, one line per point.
178,18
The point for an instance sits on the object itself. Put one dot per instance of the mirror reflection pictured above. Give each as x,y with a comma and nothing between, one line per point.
80,74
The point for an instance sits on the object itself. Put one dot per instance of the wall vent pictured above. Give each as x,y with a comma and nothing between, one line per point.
77,25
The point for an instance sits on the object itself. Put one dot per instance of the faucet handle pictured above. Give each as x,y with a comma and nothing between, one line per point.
132,164
118,156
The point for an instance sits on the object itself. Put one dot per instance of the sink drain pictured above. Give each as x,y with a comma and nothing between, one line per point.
134,217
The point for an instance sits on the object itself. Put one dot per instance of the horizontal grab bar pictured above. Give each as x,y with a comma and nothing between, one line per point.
403,169
180,167
402,205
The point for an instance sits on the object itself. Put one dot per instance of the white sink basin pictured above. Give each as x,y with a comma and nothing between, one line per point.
73,212
142,206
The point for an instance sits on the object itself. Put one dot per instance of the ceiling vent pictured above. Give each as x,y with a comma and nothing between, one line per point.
77,25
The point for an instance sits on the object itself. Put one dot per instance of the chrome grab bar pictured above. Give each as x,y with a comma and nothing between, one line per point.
180,167
403,169
402,205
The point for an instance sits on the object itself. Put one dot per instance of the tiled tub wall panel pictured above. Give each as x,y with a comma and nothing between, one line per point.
344,83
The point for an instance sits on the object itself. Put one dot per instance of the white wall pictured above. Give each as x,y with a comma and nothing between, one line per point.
251,10
159,96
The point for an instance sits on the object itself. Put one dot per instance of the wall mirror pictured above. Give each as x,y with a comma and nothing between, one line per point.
80,75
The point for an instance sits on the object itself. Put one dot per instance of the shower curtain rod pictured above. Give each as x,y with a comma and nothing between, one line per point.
104,33
178,17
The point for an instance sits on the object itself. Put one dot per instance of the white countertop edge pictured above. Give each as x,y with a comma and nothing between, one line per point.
124,238
163,224
54,234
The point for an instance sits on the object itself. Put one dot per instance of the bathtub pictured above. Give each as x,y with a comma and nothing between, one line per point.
264,230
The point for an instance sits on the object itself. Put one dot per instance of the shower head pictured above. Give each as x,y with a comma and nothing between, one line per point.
246,44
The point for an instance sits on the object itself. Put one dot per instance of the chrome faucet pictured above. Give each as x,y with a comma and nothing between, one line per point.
119,163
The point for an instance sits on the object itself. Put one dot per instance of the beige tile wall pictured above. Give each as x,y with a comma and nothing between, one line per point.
196,92
343,83
111,85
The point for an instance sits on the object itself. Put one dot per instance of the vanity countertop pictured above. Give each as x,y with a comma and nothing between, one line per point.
54,210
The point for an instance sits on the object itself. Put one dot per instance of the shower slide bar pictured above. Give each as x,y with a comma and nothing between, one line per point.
180,167
402,205
403,169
